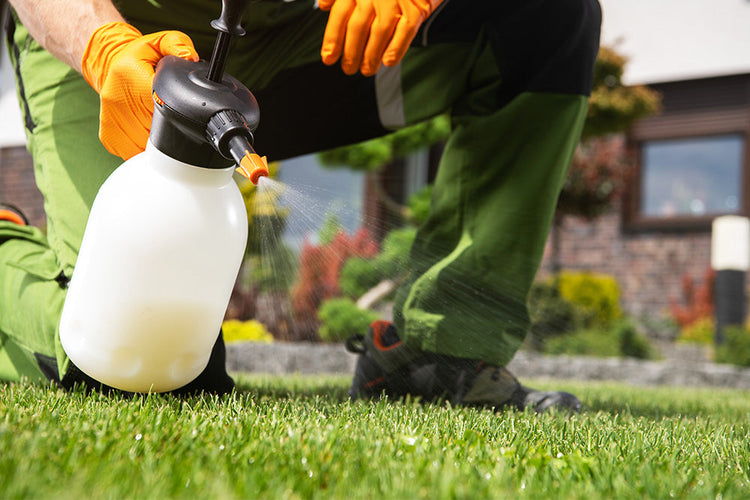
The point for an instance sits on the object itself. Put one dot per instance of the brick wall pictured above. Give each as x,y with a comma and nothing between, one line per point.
648,266
17,185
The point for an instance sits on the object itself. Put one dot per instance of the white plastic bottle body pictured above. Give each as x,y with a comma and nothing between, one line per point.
159,257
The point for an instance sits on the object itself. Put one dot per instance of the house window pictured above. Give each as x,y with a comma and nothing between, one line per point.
692,177
693,158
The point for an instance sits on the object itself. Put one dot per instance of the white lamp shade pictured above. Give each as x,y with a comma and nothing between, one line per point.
730,243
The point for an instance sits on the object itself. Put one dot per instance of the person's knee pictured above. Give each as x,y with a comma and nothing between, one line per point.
578,42
561,46
584,19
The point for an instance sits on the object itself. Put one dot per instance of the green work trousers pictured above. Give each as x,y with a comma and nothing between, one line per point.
514,76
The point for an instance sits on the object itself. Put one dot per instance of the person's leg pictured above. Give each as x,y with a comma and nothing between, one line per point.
514,76
28,270
61,116
516,123
517,116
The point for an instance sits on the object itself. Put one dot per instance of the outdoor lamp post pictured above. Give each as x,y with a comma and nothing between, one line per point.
730,258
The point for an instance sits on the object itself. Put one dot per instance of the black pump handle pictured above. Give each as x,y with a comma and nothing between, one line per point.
231,16
227,25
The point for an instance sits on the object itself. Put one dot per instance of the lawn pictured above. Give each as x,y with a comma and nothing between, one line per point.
298,437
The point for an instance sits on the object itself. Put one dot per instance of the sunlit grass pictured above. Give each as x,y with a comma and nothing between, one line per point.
299,437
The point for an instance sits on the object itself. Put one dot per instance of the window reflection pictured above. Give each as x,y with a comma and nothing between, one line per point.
692,177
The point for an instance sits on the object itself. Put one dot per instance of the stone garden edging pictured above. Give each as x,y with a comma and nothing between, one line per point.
309,358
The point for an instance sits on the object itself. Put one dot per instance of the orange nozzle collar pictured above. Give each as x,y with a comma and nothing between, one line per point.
253,167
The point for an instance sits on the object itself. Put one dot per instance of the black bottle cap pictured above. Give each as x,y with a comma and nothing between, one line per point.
184,102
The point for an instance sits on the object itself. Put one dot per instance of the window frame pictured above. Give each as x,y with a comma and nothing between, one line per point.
683,125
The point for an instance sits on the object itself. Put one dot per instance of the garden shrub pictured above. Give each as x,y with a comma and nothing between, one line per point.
395,249
592,342
699,331
620,340
419,204
596,297
245,331
272,271
358,275
361,274
341,318
551,315
632,343
320,267
735,349
694,312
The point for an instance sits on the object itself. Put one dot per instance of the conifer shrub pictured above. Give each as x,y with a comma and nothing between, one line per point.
700,331
735,349
340,318
595,296
632,343
551,315
419,204
361,274
621,339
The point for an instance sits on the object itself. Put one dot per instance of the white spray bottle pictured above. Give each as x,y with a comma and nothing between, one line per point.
167,232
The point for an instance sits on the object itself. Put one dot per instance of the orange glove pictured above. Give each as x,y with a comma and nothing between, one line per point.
367,32
119,64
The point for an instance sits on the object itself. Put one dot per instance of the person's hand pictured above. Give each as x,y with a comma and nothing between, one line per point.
119,64
364,33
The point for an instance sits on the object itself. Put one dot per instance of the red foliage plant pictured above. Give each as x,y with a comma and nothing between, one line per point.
697,300
598,173
320,267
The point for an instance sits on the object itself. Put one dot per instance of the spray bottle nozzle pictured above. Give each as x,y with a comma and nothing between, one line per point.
230,135
253,166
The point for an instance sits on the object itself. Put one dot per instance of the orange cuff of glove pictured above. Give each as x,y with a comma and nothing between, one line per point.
119,64
366,33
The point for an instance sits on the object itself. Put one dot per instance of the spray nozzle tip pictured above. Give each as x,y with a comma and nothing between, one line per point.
253,167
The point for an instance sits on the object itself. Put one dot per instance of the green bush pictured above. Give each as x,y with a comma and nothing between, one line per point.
735,349
395,251
245,331
419,204
551,315
622,340
584,343
358,275
632,343
700,331
596,297
341,318
273,270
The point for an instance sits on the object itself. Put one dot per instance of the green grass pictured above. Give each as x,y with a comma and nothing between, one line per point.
295,437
